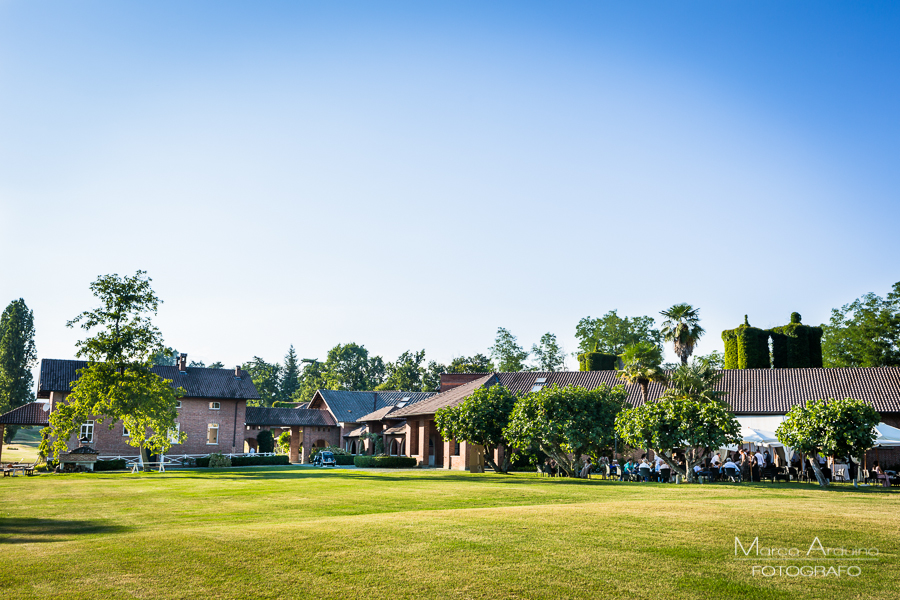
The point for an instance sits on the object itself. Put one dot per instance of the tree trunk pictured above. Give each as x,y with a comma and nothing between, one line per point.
821,478
644,385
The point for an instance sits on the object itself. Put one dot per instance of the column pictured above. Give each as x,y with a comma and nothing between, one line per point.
295,443
424,435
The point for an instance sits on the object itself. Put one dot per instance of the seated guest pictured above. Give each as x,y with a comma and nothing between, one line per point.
586,469
880,474
645,469
716,459
614,468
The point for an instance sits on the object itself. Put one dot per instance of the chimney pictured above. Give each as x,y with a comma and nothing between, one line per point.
237,371
182,362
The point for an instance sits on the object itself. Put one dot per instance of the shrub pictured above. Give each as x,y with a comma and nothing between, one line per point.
218,460
265,441
110,465
385,462
249,461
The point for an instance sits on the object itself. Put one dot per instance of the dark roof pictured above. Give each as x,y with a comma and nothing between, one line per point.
350,407
288,417
84,450
33,413
198,382
451,397
748,391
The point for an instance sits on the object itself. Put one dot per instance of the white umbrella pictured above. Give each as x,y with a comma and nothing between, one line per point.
885,435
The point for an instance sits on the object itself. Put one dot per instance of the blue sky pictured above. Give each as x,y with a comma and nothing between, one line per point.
414,175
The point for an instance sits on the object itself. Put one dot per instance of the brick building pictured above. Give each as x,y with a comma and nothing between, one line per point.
212,412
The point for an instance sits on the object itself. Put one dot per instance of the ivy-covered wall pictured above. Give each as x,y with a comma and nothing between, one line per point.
746,347
597,361
794,346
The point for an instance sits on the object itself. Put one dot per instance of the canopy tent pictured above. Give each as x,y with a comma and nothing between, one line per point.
886,436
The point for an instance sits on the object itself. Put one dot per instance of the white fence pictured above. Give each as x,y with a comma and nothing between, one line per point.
175,460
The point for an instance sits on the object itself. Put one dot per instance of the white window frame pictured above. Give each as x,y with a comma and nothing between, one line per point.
211,427
178,404
215,406
173,434
87,431
125,432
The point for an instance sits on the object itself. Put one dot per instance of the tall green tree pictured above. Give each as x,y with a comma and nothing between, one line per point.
611,334
312,378
431,378
18,355
349,367
478,363
290,375
566,423
682,328
266,379
642,364
480,419
548,355
830,427
165,357
864,333
118,384
510,356
406,373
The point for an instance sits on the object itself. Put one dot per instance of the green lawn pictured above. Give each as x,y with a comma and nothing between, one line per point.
282,532
24,447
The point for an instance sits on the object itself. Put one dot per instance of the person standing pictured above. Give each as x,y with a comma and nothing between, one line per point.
754,466
745,465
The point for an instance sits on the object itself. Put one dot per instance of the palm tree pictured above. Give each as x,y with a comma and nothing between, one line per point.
641,364
697,380
682,327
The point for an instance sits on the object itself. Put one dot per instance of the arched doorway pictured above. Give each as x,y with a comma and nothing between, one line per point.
395,447
352,447
321,444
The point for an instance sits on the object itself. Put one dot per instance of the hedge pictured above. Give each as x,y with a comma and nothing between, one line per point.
597,361
385,462
110,465
250,461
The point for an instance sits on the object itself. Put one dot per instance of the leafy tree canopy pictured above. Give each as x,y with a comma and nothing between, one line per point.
349,367
480,419
165,357
566,423
18,355
266,379
406,373
118,384
510,356
479,363
864,333
840,428
611,334
548,355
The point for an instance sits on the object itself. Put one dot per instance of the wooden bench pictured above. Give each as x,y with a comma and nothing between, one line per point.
26,468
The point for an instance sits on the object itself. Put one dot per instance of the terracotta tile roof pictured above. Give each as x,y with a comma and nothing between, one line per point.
198,382
449,398
33,413
288,417
750,391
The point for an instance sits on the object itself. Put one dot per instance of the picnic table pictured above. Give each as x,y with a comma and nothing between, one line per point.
26,468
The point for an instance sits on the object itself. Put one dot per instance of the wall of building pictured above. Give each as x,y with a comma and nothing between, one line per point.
194,418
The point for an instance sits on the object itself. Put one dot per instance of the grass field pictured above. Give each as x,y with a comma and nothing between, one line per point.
24,447
288,532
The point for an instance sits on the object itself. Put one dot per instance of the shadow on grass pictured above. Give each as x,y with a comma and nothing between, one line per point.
31,530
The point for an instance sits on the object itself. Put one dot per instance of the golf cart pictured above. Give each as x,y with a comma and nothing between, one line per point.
325,458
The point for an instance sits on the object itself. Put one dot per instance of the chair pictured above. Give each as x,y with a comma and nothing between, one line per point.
645,473
782,474
733,474
665,475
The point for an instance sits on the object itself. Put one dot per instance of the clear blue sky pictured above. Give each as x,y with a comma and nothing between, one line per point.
412,175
